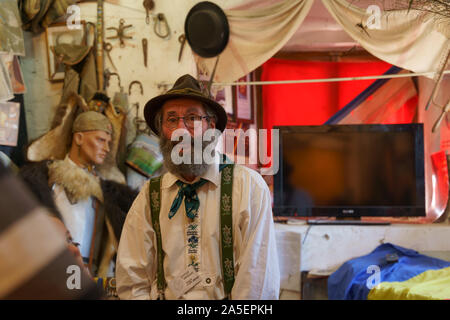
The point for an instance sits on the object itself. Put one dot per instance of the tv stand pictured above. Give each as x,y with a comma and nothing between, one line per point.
347,222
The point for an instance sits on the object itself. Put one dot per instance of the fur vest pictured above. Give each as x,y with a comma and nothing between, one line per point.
79,185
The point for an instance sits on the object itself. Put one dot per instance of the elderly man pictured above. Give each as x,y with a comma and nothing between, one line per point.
92,209
202,230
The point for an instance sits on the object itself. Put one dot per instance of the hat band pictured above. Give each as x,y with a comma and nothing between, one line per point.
186,91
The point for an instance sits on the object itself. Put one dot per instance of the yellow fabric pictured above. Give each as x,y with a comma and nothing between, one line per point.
429,285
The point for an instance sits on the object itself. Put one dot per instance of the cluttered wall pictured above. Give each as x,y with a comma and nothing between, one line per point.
163,63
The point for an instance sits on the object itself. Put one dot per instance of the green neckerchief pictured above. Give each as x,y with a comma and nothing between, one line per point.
189,193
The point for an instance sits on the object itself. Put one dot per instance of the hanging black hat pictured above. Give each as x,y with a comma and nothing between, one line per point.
206,29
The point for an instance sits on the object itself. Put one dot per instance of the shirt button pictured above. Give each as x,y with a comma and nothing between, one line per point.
208,280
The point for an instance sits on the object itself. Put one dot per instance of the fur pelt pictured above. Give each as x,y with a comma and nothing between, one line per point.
78,183
35,176
56,143
118,200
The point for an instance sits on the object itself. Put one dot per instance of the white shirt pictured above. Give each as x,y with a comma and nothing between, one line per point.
257,273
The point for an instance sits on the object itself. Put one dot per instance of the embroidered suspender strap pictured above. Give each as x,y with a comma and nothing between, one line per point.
155,206
226,228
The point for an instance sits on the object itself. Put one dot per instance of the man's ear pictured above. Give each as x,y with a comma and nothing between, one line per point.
78,138
212,123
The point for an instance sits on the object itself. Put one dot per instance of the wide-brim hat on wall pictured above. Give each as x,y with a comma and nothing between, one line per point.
185,87
206,29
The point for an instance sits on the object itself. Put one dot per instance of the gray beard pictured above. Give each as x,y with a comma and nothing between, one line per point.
182,169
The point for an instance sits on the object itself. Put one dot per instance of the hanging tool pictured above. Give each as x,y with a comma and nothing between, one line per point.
120,99
120,32
182,41
108,47
108,76
144,49
133,83
148,5
443,113
160,19
438,76
99,52
140,125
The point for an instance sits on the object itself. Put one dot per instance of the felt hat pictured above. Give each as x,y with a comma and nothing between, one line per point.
185,87
206,29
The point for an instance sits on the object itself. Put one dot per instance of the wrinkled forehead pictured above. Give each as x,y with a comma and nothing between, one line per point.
182,106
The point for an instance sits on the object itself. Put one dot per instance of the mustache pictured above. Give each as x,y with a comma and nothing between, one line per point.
166,147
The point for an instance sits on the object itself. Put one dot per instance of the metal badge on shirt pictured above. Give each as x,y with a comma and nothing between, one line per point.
182,284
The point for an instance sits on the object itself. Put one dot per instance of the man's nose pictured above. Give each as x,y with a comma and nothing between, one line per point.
106,147
181,124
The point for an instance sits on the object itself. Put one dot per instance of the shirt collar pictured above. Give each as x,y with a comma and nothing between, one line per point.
211,174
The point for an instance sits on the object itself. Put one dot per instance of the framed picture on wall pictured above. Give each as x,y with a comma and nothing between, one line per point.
243,97
9,123
55,34
224,96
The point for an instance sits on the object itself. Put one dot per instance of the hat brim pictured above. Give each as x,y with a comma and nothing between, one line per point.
154,105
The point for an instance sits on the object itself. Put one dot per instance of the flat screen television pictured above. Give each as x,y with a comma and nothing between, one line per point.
350,171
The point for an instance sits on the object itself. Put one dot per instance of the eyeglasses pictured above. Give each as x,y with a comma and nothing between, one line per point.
189,120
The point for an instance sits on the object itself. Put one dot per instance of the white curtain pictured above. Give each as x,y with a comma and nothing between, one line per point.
257,32
414,40
434,141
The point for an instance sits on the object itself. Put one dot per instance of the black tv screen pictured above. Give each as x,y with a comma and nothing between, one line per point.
350,171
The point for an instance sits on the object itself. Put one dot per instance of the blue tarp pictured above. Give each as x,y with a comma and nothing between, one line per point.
353,280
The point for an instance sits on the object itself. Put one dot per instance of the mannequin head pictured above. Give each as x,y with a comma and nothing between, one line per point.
91,138
91,147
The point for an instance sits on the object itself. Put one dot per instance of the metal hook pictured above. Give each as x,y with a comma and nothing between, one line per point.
114,74
131,85
161,19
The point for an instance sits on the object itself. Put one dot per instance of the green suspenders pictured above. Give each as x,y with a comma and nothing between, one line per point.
226,189
155,206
